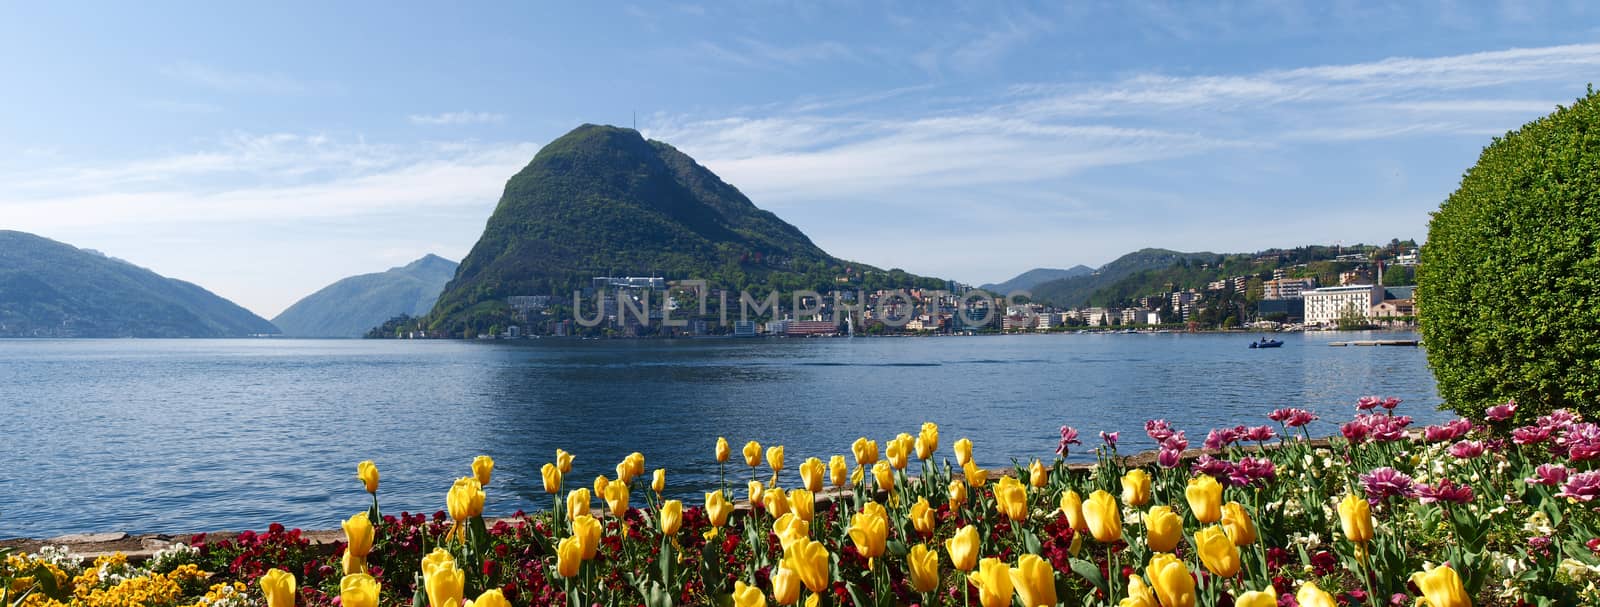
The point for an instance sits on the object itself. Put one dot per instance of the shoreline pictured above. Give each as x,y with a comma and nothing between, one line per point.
139,547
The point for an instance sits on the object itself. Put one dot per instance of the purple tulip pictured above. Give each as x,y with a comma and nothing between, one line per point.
1500,413
1583,486
1386,482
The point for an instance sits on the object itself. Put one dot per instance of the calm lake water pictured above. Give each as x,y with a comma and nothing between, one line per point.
193,435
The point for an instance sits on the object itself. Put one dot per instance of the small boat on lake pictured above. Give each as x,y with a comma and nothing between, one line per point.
1266,343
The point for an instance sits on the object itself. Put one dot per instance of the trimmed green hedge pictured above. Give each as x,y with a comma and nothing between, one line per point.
1508,291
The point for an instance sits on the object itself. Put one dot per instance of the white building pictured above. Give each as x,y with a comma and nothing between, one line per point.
1324,306
1046,322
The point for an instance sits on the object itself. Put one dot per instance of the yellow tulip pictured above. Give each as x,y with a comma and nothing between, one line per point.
483,469
722,450
876,509
803,504
635,462
1103,517
1256,598
436,559
963,548
1163,529
1139,594
1136,488
811,474
350,563
465,499
1204,495
928,439
838,471
993,580
368,473
277,587
569,555
790,529
897,454
1217,552
775,458
443,584
491,598
923,565
870,533
958,494
747,596
753,490
975,476
617,498
358,590
752,454
1072,506
552,478
587,530
1442,587
600,484
776,501
866,451
1312,596
718,508
577,503
358,533
624,472
1035,581
809,559
1356,518
1011,498
1038,477
963,450
564,461
884,474
1236,521
671,517
785,586
922,517
1173,585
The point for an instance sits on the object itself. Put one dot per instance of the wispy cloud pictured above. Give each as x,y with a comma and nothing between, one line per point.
257,177
756,54
455,118
237,81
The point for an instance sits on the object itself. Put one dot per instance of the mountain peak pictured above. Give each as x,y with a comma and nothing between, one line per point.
602,200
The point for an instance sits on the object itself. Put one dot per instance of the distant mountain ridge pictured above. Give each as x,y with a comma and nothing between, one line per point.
604,201
53,289
1076,291
351,306
1031,278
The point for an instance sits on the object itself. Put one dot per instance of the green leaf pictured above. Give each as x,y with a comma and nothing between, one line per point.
1030,542
1089,571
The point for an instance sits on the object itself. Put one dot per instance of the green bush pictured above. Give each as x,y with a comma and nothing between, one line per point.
1508,290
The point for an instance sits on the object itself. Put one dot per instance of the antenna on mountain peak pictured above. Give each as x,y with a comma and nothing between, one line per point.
636,120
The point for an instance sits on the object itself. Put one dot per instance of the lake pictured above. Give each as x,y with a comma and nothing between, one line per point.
180,436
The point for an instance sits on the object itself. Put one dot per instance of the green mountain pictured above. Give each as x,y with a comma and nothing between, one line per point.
603,201
349,307
1032,278
51,289
1078,290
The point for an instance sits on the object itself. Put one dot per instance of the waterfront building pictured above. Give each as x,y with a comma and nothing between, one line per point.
803,328
744,328
1286,288
1046,322
1324,306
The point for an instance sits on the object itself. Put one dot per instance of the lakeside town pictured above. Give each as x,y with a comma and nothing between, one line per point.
1347,291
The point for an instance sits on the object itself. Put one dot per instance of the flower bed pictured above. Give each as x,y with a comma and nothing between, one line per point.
1457,514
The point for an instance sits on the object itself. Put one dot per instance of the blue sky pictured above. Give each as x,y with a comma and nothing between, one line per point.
266,151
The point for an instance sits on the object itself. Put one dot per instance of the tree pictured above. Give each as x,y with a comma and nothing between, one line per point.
1353,318
1508,287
